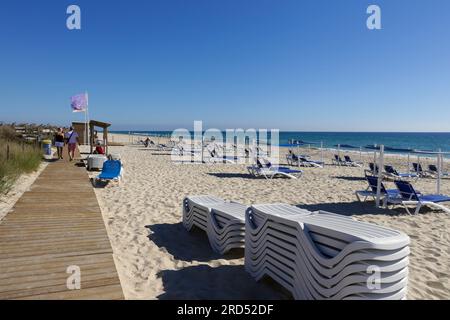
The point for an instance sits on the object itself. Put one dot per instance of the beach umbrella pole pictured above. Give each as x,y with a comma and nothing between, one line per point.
439,167
380,175
339,154
321,151
375,162
409,164
201,148
254,151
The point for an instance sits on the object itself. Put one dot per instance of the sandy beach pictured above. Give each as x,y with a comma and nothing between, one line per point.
157,258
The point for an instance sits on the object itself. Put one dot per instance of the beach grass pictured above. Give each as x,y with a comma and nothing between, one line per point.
16,158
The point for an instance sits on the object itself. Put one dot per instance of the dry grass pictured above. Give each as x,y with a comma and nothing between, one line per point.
22,158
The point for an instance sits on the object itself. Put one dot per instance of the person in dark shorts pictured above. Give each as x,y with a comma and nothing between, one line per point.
59,142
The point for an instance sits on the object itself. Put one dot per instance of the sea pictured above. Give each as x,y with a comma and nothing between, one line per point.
394,142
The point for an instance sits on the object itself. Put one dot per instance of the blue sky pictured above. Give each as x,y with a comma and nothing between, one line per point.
287,64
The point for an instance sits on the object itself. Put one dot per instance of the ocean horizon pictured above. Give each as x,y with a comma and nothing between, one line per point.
395,142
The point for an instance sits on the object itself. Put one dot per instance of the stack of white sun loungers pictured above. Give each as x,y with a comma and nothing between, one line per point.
223,221
325,256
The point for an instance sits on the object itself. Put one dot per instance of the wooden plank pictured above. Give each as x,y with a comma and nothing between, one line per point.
56,224
111,292
23,263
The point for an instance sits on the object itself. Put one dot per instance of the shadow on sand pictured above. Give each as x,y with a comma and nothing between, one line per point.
360,208
187,246
350,178
225,282
99,184
355,208
232,175
146,149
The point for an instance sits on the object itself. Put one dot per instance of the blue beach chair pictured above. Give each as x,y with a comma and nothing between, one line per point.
410,197
292,159
216,157
373,169
310,163
371,191
264,168
112,171
390,171
433,170
338,161
352,163
417,168
302,160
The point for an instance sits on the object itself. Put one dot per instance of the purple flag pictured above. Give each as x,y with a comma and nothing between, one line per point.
79,102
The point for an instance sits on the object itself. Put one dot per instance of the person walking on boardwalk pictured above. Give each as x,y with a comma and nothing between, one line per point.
72,139
59,142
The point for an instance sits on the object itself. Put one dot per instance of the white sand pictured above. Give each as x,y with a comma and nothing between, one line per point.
173,263
21,185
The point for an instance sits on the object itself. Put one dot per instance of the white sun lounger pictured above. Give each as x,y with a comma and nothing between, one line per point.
223,221
324,256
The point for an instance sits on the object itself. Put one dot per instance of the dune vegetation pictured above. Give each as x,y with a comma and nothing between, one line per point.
16,157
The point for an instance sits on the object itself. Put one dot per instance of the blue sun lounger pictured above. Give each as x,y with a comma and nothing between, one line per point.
302,160
409,196
390,171
311,163
350,162
292,159
417,168
338,161
267,170
433,170
373,169
112,171
371,191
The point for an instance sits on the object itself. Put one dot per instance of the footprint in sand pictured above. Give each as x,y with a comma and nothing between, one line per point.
436,285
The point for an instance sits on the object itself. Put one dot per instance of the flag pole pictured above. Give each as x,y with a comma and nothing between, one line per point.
85,128
88,140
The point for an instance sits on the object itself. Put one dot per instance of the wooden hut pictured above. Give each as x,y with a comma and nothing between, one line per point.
104,126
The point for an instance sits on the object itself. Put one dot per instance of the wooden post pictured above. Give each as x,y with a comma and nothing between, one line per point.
7,152
380,176
105,138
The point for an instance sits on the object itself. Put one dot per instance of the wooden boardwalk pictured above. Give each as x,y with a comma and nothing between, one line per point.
57,224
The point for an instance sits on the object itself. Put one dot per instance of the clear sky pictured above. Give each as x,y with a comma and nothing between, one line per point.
287,64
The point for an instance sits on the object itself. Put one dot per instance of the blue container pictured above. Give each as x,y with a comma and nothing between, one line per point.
47,148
